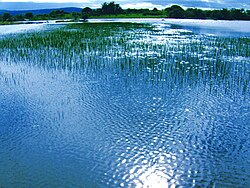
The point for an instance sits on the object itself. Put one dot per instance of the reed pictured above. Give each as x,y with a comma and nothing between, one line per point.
175,57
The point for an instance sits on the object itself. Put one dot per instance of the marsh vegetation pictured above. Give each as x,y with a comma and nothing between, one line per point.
137,49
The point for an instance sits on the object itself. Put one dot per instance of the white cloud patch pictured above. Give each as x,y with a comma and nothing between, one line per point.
142,5
49,1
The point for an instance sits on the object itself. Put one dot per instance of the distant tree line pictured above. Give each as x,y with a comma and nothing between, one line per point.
174,11
114,9
56,14
7,17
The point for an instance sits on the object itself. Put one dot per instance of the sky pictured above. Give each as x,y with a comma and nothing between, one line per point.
159,4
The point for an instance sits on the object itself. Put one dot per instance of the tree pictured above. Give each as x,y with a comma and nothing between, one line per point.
87,10
195,13
237,14
57,13
19,17
225,14
6,17
85,16
29,15
175,11
76,15
248,14
111,8
155,10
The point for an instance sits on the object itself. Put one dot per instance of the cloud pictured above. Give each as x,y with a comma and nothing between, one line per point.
142,5
49,1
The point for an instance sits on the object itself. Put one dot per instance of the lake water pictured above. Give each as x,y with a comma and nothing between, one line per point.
219,27
129,126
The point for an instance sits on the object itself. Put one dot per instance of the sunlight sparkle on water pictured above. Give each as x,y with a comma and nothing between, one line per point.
124,105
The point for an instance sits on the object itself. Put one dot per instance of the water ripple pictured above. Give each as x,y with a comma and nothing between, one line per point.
173,110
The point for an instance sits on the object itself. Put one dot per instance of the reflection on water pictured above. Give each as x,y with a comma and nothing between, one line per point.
217,27
164,107
22,28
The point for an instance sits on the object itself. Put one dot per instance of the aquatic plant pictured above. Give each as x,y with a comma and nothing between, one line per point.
173,57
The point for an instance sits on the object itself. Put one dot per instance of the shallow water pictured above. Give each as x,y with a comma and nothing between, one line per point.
24,28
214,27
117,126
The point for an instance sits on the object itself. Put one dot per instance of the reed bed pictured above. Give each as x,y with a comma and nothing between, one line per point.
175,57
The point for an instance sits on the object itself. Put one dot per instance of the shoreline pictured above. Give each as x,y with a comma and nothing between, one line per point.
208,26
109,17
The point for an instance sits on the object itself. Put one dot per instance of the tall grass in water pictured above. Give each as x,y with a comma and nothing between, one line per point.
171,57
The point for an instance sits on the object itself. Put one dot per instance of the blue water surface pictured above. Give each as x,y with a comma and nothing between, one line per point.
120,128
